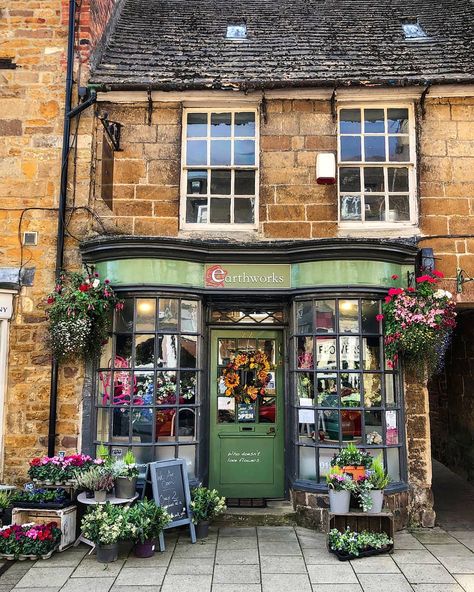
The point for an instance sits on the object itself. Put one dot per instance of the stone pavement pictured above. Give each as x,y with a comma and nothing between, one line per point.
261,559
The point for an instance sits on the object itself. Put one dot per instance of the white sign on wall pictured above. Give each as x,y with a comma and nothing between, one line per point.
6,305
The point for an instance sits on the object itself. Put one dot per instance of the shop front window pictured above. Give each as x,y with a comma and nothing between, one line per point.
148,380
343,389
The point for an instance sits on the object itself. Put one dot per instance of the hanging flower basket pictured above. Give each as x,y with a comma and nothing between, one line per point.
80,313
246,376
418,324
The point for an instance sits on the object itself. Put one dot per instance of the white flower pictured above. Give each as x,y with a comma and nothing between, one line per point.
96,283
441,294
448,294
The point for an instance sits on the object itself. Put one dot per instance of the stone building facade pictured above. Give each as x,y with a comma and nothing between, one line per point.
143,223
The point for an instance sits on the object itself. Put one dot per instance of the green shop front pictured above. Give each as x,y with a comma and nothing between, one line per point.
297,320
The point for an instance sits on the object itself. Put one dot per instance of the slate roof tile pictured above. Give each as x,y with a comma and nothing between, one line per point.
181,44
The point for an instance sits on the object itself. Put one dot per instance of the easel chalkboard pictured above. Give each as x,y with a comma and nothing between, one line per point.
170,485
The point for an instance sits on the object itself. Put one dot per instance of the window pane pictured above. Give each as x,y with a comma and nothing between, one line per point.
106,355
374,148
325,316
186,424
373,179
197,125
349,353
244,124
123,388
188,351
372,390
373,427
349,179
244,183
102,426
399,208
331,425
349,121
243,211
220,182
351,424
168,314
398,179
123,351
307,462
120,424
124,317
220,152
371,353
187,387
374,121
142,425
197,182
304,316
220,125
166,424
144,391
244,152
167,351
350,389
196,210
351,207
189,315
393,462
326,353
390,390
348,316
220,210
305,388
397,121
326,385
374,207
166,388
350,148
370,309
144,351
399,148
305,352
196,152
392,427
146,313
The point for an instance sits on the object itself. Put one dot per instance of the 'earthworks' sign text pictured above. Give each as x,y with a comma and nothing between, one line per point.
233,276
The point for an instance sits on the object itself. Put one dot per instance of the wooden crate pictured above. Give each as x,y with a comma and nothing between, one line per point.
357,521
65,518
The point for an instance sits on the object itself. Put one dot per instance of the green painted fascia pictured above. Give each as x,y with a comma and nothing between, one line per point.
147,272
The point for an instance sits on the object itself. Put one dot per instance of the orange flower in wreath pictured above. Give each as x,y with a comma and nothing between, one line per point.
231,380
262,375
252,392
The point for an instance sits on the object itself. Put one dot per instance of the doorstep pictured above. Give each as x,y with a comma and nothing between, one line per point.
277,513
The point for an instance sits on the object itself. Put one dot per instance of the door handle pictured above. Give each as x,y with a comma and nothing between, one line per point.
270,431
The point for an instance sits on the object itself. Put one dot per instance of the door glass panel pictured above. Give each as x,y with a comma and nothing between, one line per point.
268,348
247,345
246,412
225,408
267,410
226,350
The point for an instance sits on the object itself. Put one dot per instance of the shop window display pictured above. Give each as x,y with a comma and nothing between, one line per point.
344,390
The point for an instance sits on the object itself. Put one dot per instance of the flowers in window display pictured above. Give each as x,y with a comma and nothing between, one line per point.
247,375
419,323
79,315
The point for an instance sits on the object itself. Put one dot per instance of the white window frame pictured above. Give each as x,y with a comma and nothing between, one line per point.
411,164
184,168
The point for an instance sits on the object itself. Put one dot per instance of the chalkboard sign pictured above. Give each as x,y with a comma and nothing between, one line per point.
170,485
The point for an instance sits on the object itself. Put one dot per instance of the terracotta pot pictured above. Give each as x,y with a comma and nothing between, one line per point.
357,472
146,549
202,529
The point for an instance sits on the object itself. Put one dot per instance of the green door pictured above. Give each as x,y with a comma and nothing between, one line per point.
247,439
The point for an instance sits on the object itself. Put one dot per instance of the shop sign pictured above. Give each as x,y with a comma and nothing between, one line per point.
6,305
233,276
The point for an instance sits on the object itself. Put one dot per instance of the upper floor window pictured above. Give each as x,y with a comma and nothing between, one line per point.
376,161
219,182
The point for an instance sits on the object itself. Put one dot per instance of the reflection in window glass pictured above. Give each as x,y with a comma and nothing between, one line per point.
370,310
348,316
349,121
371,353
326,353
372,390
304,316
350,389
325,316
327,390
305,358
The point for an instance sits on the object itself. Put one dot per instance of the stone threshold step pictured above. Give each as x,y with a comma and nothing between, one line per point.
277,513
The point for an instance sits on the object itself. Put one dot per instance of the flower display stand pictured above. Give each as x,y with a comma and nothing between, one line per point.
65,518
357,521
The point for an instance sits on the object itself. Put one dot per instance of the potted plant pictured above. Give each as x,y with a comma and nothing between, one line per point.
351,545
378,479
340,485
353,461
145,522
6,498
29,540
125,473
206,504
98,480
105,525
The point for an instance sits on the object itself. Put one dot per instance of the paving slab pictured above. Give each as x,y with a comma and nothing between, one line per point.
384,583
466,581
408,556
135,588
141,576
319,557
405,540
90,567
197,550
273,533
236,574
230,557
281,548
377,564
282,564
45,577
434,536
186,583
458,565
427,574
454,550
236,543
437,588
285,583
88,585
236,588
156,560
56,589
332,574
194,565
337,588
237,531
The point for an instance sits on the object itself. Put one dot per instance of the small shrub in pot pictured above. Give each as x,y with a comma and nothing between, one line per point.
206,504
